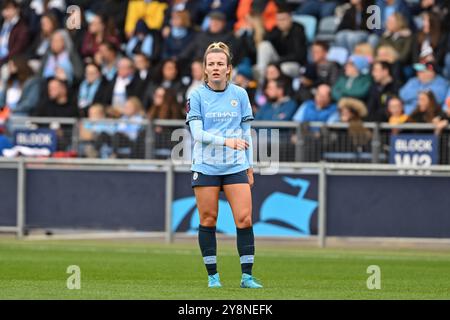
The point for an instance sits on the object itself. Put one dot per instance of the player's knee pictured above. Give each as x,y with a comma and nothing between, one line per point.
245,221
209,219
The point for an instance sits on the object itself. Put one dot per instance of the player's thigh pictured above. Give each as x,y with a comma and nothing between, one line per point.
239,197
207,204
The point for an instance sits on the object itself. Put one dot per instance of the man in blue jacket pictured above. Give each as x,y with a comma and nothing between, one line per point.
280,107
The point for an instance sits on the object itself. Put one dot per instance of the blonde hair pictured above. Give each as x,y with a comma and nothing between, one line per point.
217,47
137,104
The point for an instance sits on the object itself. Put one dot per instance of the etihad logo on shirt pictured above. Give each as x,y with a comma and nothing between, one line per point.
225,114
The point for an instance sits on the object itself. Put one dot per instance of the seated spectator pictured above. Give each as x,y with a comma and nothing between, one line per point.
38,8
152,12
196,78
107,58
426,79
14,33
124,85
61,60
169,77
145,78
285,44
320,71
21,92
250,13
164,106
280,107
92,89
430,38
41,42
389,54
272,72
384,86
354,83
389,7
179,34
226,7
321,109
352,111
100,29
427,109
399,36
353,28
216,33
395,111
91,131
58,102
244,79
144,41
366,50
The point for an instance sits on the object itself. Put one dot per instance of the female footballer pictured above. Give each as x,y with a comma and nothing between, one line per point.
219,115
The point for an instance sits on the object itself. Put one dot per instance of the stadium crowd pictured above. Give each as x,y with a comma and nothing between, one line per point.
310,60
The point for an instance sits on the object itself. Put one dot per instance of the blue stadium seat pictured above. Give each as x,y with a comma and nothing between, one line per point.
309,23
338,54
327,29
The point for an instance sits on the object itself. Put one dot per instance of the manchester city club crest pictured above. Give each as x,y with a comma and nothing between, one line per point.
234,103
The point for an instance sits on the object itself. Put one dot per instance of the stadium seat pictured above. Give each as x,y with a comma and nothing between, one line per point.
337,54
327,29
309,23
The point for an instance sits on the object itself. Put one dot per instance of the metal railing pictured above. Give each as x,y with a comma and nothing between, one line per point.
298,142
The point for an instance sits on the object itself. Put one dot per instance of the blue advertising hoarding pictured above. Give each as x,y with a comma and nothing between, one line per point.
283,205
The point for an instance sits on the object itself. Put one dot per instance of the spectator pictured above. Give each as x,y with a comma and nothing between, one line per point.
196,77
169,78
144,41
321,109
164,106
58,102
21,93
216,33
248,16
100,29
389,7
145,76
244,79
430,38
353,28
178,35
92,89
38,8
107,57
61,60
285,44
152,12
426,79
352,111
14,33
123,86
355,82
388,54
399,36
427,109
280,107
41,42
396,111
319,71
383,87
272,72
227,7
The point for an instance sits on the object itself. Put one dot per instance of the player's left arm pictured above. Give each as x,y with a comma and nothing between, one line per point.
247,117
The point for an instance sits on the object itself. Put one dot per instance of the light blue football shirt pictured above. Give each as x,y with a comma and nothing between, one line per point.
222,114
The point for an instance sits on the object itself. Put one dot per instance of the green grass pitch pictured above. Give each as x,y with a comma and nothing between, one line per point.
138,269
